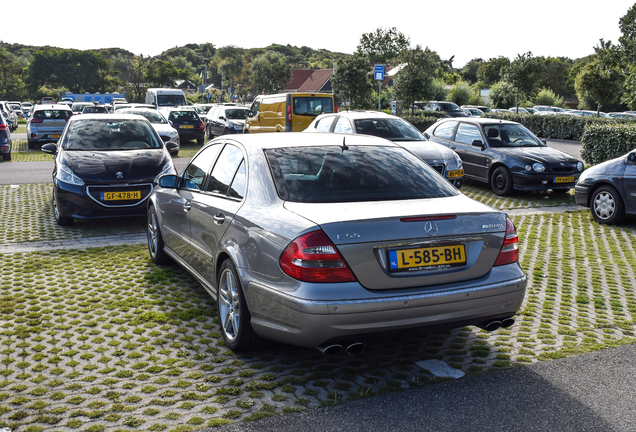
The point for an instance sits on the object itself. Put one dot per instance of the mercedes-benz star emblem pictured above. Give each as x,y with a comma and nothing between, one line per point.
431,228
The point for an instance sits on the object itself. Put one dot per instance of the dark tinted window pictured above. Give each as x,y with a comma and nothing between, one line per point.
236,114
393,129
360,173
183,116
225,169
195,173
103,135
52,114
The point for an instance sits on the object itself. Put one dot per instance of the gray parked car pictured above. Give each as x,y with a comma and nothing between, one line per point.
320,240
5,139
47,123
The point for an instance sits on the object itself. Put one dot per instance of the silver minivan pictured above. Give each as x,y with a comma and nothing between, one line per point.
47,123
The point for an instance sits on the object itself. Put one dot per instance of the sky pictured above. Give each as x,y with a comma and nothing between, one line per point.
466,29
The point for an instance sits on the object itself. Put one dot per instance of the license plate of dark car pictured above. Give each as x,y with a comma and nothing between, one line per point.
457,173
564,179
119,196
54,136
428,258
186,126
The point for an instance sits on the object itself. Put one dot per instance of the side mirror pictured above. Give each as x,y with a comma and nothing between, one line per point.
479,143
632,157
168,181
221,118
172,146
545,143
50,148
427,135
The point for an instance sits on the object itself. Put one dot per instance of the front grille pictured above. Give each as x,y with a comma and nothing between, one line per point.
99,194
440,168
563,170
165,138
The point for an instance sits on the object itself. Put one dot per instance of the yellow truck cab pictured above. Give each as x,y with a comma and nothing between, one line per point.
287,112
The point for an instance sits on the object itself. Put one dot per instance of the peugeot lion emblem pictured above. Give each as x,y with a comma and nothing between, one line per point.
120,175
431,228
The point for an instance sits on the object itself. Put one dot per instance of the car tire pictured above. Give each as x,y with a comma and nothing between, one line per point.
155,239
59,219
6,156
200,141
31,145
208,135
501,181
234,316
607,205
226,131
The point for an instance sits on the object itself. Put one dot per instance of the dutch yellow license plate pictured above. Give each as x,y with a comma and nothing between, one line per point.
428,258
119,196
186,127
457,173
564,179
55,136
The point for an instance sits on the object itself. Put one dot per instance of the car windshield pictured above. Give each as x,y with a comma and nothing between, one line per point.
450,107
52,114
236,114
105,135
152,116
510,135
391,128
355,173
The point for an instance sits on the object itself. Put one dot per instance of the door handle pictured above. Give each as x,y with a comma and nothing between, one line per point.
219,218
186,207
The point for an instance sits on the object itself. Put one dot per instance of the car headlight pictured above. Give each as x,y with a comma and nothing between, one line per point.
579,166
458,161
536,166
66,175
168,168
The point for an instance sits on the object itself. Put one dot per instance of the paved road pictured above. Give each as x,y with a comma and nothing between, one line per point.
590,392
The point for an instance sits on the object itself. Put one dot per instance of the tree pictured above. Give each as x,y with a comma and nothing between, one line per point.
469,71
231,66
415,80
351,79
270,73
492,71
547,97
163,73
598,86
383,46
523,75
460,93
11,85
502,95
556,76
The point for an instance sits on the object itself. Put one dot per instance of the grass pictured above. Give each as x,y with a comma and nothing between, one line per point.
104,339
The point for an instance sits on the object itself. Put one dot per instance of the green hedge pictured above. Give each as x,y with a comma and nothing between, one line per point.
565,127
423,122
601,142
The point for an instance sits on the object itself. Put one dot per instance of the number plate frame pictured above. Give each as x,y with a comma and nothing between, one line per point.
427,258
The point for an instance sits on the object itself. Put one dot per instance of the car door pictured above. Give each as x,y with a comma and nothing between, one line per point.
176,207
213,210
475,158
629,184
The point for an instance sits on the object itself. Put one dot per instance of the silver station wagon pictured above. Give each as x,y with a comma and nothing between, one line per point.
321,240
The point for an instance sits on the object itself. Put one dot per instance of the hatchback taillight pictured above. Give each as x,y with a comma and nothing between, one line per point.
509,252
201,126
3,126
37,120
314,258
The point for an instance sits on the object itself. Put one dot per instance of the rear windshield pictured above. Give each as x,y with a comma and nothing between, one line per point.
104,135
312,105
183,116
392,129
151,116
171,100
52,114
357,173
236,114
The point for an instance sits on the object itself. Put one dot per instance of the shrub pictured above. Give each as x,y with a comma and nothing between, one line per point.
460,93
547,97
423,122
601,142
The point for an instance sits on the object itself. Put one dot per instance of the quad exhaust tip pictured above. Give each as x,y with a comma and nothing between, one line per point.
496,324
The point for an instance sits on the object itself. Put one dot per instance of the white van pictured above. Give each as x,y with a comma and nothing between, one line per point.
165,97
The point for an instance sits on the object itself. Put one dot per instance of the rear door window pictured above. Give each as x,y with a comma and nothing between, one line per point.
312,105
445,130
224,172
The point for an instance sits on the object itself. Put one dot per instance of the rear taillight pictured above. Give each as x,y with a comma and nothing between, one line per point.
314,258
509,252
3,126
201,126
335,108
289,113
37,120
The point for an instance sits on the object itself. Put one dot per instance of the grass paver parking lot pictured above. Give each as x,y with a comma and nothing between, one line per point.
103,339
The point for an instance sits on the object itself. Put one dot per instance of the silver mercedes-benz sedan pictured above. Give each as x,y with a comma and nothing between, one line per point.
319,240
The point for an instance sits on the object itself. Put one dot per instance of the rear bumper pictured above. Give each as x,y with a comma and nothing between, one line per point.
309,323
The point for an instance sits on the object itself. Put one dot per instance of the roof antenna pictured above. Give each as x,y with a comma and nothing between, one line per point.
344,146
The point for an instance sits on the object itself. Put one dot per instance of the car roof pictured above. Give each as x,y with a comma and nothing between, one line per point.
300,139
359,114
109,117
476,120
53,106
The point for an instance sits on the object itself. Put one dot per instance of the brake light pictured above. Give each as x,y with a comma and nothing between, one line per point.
3,126
37,120
201,126
509,252
314,258
289,112
335,108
